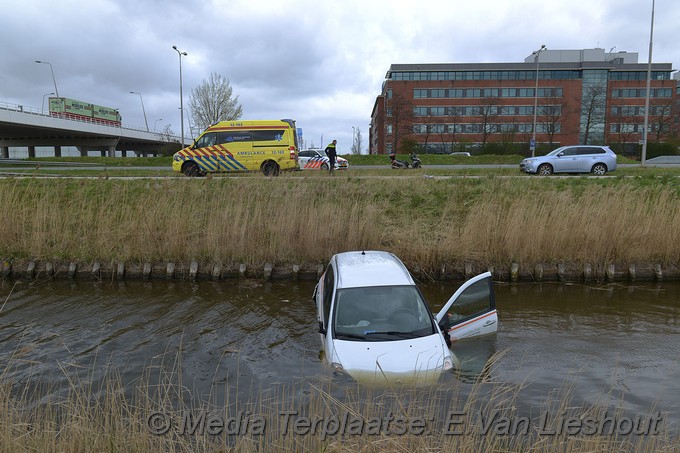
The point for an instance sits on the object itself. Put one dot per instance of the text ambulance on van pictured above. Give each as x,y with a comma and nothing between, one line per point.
268,146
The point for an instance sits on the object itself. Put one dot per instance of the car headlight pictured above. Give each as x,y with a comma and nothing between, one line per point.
529,161
176,158
448,363
338,368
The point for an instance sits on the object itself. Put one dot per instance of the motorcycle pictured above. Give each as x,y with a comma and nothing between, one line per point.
415,161
396,163
399,164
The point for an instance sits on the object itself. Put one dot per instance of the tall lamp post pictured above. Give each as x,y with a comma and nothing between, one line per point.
649,86
181,102
156,122
42,110
56,90
143,111
533,129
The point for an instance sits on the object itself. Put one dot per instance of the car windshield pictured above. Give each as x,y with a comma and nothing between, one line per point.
381,313
555,152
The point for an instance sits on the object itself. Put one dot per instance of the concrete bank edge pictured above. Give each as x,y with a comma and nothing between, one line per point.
567,272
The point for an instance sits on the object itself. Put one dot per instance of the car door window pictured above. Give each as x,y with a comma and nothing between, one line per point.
473,298
206,140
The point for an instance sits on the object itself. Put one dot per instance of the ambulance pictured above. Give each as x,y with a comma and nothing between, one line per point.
269,146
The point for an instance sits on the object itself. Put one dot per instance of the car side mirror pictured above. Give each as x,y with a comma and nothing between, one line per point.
560,155
321,329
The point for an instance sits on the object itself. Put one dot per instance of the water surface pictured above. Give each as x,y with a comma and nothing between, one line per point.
614,344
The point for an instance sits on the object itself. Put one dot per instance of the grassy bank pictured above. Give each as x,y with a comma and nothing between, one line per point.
428,222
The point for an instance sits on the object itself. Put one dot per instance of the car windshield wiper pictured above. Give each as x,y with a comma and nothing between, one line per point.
394,333
349,336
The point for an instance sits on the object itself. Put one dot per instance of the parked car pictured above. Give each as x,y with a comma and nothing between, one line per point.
312,159
572,159
461,153
376,326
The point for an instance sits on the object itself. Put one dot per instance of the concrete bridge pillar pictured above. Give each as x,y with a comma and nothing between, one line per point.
4,152
112,151
57,151
31,151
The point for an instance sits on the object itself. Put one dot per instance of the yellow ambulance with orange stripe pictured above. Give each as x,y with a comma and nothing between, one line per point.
269,146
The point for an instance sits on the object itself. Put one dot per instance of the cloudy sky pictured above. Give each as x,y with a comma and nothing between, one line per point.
321,62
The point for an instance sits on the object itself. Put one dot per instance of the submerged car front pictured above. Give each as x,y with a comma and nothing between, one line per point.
387,335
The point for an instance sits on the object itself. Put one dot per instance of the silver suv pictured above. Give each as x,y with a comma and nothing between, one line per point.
572,159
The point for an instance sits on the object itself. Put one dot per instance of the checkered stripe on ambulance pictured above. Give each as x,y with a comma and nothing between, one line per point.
211,158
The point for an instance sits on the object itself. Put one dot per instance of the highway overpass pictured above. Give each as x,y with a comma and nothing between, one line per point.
30,128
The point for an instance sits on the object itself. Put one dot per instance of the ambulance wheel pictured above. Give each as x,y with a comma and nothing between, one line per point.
191,169
270,168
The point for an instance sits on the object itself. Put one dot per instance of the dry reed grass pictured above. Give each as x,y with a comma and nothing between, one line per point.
35,419
427,222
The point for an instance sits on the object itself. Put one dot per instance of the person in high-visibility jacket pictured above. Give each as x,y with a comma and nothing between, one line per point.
332,155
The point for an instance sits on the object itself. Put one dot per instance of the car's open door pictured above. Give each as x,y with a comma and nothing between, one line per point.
471,311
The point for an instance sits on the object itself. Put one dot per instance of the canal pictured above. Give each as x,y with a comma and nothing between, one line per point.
609,344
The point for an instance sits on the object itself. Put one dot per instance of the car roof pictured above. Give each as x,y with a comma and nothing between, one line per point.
370,268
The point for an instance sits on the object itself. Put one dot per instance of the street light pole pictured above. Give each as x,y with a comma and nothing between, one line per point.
155,122
181,102
533,129
52,71
649,86
42,110
143,111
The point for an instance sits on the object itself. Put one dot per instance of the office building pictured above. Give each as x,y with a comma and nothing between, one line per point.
552,98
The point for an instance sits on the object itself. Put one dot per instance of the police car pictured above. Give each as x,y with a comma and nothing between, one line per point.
376,326
315,159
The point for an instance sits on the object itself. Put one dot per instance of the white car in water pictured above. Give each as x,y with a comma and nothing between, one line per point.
376,326
312,159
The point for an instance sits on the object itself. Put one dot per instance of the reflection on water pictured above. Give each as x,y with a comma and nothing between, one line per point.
613,344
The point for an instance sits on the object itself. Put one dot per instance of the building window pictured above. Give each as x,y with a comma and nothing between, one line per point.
640,93
496,75
389,128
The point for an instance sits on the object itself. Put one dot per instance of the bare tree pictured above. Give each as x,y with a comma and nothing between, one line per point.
489,113
356,146
552,112
593,107
402,116
213,101
621,123
424,129
448,133
167,135
661,111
